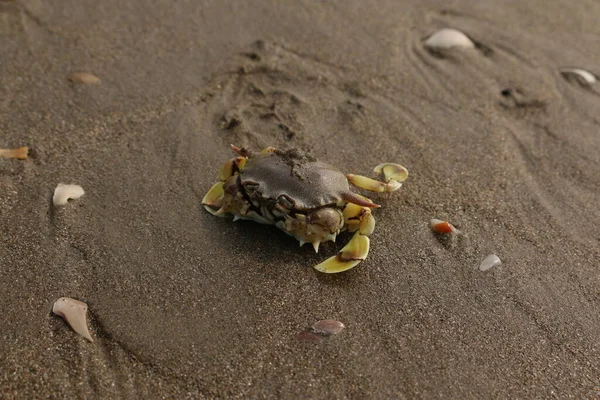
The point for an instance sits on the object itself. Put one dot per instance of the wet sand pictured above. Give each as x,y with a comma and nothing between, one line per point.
186,305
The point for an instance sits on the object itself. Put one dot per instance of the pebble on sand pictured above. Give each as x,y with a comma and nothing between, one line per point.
84,78
74,312
580,74
64,192
442,227
490,261
447,38
20,153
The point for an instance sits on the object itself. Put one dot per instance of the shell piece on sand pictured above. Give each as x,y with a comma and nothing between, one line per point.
84,78
20,153
442,227
490,261
581,74
64,192
74,312
447,38
328,327
309,336
320,331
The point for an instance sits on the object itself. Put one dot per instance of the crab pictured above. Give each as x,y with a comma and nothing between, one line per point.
306,198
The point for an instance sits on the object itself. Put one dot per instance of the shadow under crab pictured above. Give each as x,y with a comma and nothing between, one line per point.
306,198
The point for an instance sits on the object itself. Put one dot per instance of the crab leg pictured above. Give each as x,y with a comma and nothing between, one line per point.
213,200
393,175
230,167
358,219
354,252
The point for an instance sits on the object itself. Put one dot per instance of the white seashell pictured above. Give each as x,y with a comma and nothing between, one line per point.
588,77
84,78
64,192
447,38
329,327
74,312
490,261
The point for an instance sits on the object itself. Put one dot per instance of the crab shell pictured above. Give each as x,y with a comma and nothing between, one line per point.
306,198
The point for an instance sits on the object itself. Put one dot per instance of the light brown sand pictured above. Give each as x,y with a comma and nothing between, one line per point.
184,304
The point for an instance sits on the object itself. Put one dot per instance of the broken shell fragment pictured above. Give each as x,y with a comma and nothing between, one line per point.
320,331
74,312
447,38
309,336
20,153
328,327
581,75
490,261
441,227
64,192
84,78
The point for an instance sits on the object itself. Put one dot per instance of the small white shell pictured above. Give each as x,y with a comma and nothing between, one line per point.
490,261
329,326
447,38
64,192
587,77
74,312
84,78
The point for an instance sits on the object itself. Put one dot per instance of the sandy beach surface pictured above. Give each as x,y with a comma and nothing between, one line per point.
183,304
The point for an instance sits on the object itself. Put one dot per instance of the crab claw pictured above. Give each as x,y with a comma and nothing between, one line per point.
242,151
391,171
353,253
357,217
393,176
213,200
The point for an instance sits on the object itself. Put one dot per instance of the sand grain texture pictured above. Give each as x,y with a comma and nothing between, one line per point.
187,305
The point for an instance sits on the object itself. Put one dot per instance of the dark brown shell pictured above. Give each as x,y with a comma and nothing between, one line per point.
308,183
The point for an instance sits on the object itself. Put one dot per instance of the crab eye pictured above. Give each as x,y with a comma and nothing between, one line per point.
250,187
328,218
285,202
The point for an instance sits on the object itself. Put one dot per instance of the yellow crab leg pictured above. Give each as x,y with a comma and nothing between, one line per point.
230,167
393,176
268,150
353,253
213,200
